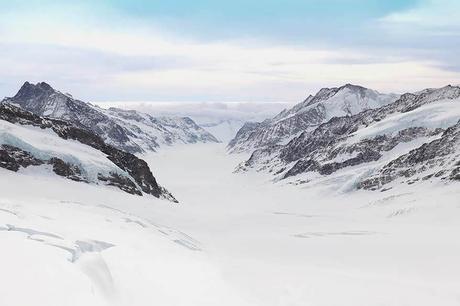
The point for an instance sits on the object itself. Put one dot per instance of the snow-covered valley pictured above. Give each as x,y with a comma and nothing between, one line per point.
234,239
229,153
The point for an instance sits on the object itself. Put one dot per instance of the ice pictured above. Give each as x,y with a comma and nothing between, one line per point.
235,239
44,144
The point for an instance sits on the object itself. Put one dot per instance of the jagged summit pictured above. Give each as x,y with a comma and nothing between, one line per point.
43,86
30,91
326,92
130,131
346,100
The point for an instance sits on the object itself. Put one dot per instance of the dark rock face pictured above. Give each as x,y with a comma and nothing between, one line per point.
13,158
332,145
321,137
121,182
116,127
137,168
60,167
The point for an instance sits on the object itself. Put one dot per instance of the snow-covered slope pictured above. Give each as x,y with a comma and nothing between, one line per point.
130,131
224,130
34,144
326,104
234,240
413,138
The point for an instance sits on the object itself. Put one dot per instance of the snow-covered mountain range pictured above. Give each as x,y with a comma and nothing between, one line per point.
128,130
72,233
221,119
29,142
416,137
306,116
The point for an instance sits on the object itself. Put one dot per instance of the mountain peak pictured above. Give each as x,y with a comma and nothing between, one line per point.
127,130
327,93
353,87
327,103
29,90
44,86
39,85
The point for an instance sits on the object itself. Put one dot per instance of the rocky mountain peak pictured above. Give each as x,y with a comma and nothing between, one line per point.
412,139
29,91
130,131
346,100
353,87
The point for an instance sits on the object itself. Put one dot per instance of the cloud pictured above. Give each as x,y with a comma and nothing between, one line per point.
106,58
440,16
206,112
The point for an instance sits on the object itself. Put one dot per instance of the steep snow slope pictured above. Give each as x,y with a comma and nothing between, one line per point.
235,240
326,104
127,130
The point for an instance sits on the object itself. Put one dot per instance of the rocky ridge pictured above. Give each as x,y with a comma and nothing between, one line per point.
306,116
134,175
130,131
415,134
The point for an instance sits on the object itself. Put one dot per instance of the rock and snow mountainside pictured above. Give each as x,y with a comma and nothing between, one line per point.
415,138
221,119
130,131
306,116
50,145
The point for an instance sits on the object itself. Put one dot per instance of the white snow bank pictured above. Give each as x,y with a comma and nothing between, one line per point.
234,240
441,114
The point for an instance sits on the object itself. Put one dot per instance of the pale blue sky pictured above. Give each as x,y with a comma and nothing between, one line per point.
205,50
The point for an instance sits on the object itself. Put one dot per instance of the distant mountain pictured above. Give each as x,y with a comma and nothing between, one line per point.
221,119
28,141
412,139
306,116
223,129
130,131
